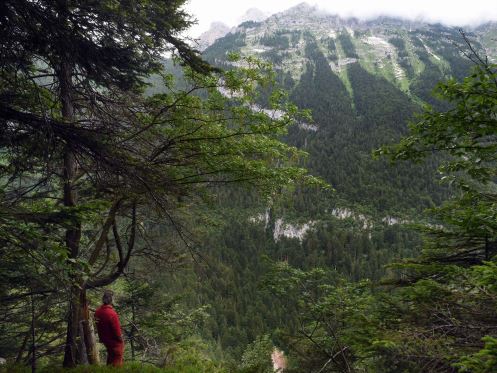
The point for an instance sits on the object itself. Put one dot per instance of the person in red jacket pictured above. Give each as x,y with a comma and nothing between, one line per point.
109,330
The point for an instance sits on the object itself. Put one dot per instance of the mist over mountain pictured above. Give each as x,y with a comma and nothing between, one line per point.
305,16
217,30
253,14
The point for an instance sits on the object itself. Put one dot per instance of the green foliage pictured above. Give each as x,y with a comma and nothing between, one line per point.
335,317
257,356
104,173
192,356
452,282
349,128
465,129
484,361
161,162
403,56
400,45
232,42
151,315
347,45
427,326
465,134
277,40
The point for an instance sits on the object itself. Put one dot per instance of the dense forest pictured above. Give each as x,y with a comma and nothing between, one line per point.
228,234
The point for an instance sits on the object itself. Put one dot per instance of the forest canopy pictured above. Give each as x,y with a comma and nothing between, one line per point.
115,163
90,164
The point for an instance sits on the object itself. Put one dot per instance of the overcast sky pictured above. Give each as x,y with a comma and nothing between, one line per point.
455,12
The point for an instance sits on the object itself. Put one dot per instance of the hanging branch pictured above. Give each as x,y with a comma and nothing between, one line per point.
124,257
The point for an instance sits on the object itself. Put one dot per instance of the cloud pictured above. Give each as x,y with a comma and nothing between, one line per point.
450,12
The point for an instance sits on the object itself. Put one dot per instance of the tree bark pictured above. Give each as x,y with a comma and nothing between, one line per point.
71,353
33,336
75,341
132,336
89,337
23,347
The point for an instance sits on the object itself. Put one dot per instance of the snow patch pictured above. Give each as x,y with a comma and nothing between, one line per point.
378,42
367,223
277,114
259,49
308,127
397,71
272,113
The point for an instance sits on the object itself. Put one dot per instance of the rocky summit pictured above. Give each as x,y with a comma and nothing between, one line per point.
399,50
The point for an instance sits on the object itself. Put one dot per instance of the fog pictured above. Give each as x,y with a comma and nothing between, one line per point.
454,13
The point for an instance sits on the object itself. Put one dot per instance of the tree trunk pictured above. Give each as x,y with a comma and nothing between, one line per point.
132,336
89,336
81,343
71,355
75,350
82,350
33,336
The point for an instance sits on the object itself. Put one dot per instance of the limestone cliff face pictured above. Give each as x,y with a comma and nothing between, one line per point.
398,50
216,31
362,80
219,29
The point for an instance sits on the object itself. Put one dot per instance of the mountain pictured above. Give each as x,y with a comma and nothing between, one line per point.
363,80
219,29
216,31
488,36
253,14
398,50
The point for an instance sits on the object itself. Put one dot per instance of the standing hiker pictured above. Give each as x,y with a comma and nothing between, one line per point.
109,330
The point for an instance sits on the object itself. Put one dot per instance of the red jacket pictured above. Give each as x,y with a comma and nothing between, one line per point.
108,326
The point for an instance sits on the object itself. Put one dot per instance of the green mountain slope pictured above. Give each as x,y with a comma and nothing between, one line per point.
363,81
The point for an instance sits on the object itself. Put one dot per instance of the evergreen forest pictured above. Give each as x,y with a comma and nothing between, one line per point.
287,200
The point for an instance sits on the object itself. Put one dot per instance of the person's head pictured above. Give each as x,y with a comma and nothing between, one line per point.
107,297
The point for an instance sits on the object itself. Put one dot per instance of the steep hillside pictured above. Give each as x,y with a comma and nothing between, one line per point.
364,81
403,52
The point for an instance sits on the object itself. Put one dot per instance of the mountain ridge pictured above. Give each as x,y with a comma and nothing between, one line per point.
363,81
304,17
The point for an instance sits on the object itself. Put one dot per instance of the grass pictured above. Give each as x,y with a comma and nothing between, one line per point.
127,368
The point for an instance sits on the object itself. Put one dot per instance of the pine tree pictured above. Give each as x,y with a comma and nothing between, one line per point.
87,158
